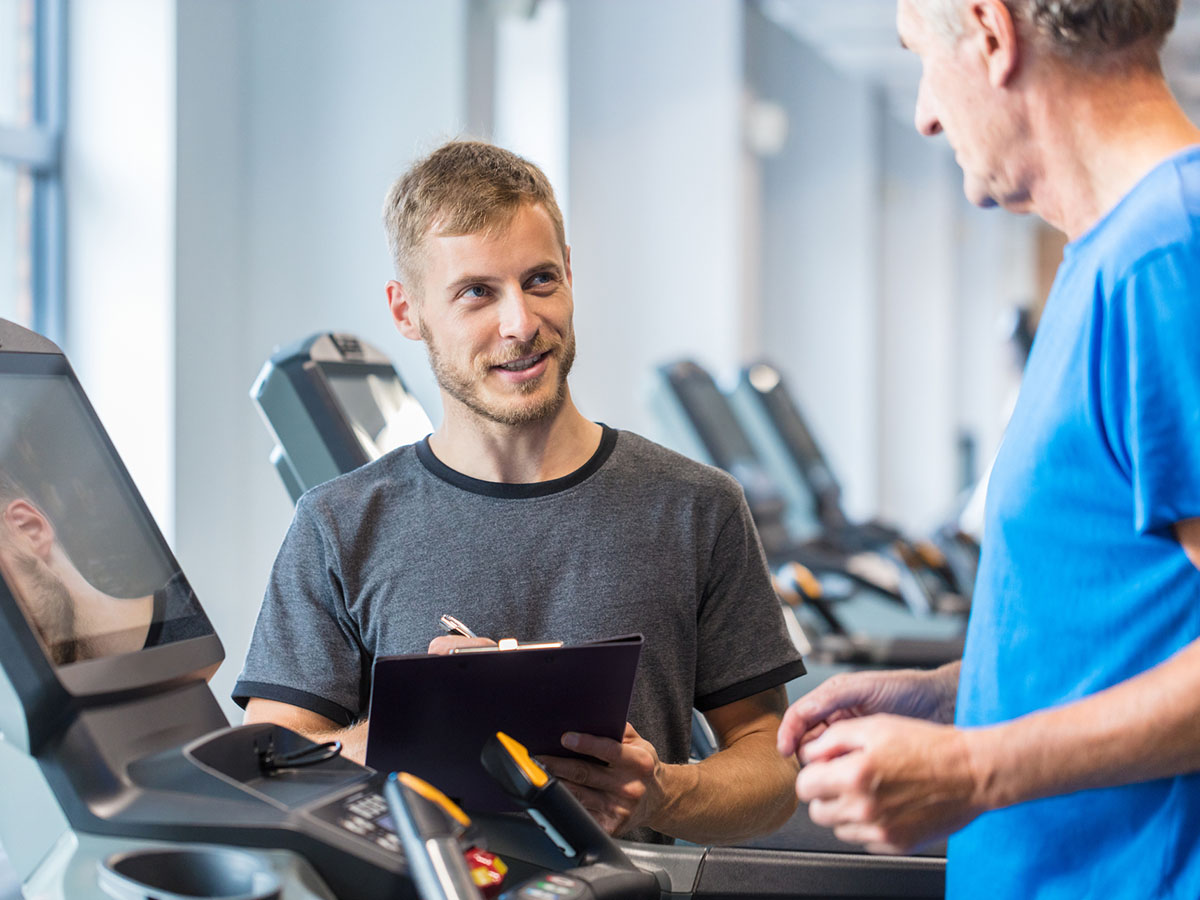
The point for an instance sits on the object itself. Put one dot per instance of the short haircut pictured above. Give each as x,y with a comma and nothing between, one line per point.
1088,33
463,187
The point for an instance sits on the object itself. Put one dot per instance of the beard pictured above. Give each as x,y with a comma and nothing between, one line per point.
48,605
466,385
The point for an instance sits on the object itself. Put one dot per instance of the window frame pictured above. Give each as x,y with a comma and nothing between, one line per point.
38,148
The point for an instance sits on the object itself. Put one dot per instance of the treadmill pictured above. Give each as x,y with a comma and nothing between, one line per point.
333,403
774,424
791,535
122,778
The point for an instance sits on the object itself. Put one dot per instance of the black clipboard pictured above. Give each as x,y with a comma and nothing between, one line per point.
430,715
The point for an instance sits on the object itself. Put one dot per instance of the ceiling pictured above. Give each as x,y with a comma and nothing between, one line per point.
859,37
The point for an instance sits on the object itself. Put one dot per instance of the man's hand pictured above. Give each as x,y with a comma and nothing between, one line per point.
890,782
907,692
444,643
621,795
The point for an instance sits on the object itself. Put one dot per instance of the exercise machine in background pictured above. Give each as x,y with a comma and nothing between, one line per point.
333,403
792,456
843,627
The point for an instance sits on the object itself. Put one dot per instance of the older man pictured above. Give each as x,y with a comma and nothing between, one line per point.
1071,764
527,520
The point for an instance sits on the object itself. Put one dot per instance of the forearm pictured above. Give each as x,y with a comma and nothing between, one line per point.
946,689
1145,728
353,738
315,727
741,791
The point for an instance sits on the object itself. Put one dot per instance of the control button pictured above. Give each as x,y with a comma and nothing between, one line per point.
367,805
388,841
356,825
487,870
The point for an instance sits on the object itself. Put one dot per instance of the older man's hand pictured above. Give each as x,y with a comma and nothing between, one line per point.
890,782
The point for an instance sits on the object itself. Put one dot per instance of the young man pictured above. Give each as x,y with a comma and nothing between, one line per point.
1076,745
525,519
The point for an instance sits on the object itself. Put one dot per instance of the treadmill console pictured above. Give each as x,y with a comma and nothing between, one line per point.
363,813
93,602
105,653
332,403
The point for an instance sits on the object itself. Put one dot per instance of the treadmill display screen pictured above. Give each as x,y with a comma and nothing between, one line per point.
711,416
78,550
382,413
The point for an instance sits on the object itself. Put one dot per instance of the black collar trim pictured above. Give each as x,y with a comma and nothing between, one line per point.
529,491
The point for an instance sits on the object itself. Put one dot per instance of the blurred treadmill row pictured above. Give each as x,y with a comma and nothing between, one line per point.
122,778
864,593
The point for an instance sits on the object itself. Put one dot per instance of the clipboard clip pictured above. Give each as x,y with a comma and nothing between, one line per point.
505,644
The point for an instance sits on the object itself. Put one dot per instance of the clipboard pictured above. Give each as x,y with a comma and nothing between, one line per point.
431,715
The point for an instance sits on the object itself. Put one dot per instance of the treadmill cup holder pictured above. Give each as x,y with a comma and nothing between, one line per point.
187,873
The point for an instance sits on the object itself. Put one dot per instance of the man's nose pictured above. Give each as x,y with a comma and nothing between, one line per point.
926,120
517,320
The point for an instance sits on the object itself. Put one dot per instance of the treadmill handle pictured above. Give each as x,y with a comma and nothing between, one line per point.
429,825
551,805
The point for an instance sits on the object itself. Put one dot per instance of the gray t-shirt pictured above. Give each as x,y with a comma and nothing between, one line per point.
639,539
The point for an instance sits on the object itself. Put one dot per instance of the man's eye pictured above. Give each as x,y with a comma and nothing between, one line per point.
541,279
475,292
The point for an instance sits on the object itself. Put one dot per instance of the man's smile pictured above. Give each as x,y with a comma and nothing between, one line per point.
524,368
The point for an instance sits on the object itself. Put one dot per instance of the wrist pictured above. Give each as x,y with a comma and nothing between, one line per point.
944,685
986,752
666,788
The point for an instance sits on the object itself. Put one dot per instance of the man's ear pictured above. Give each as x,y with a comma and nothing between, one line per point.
33,530
404,310
992,26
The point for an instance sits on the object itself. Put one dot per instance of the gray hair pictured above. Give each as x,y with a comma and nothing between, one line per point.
1085,32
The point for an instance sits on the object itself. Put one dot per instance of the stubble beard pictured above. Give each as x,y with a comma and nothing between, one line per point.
52,609
465,387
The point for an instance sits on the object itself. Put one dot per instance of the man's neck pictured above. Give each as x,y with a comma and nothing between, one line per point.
1097,136
108,625
515,454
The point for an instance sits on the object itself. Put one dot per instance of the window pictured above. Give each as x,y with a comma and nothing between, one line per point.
31,110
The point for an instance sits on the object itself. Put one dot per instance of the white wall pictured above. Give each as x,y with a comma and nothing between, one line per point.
119,170
294,117
820,264
654,109
917,462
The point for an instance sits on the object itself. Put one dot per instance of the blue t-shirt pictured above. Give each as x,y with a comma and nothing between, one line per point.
1082,583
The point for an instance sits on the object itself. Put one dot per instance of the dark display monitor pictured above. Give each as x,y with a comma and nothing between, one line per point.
333,403
378,407
94,601
708,411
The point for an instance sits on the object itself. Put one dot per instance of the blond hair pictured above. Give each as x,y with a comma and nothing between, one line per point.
463,187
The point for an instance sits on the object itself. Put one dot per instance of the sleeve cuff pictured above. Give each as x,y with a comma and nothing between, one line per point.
751,686
243,691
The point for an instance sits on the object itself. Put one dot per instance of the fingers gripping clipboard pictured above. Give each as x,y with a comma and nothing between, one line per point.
431,715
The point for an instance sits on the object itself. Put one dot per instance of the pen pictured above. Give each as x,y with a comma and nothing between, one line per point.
454,626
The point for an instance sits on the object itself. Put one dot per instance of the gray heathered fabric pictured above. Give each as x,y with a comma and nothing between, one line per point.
648,542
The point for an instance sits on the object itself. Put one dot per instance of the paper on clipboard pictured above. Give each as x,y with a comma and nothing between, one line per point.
431,715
